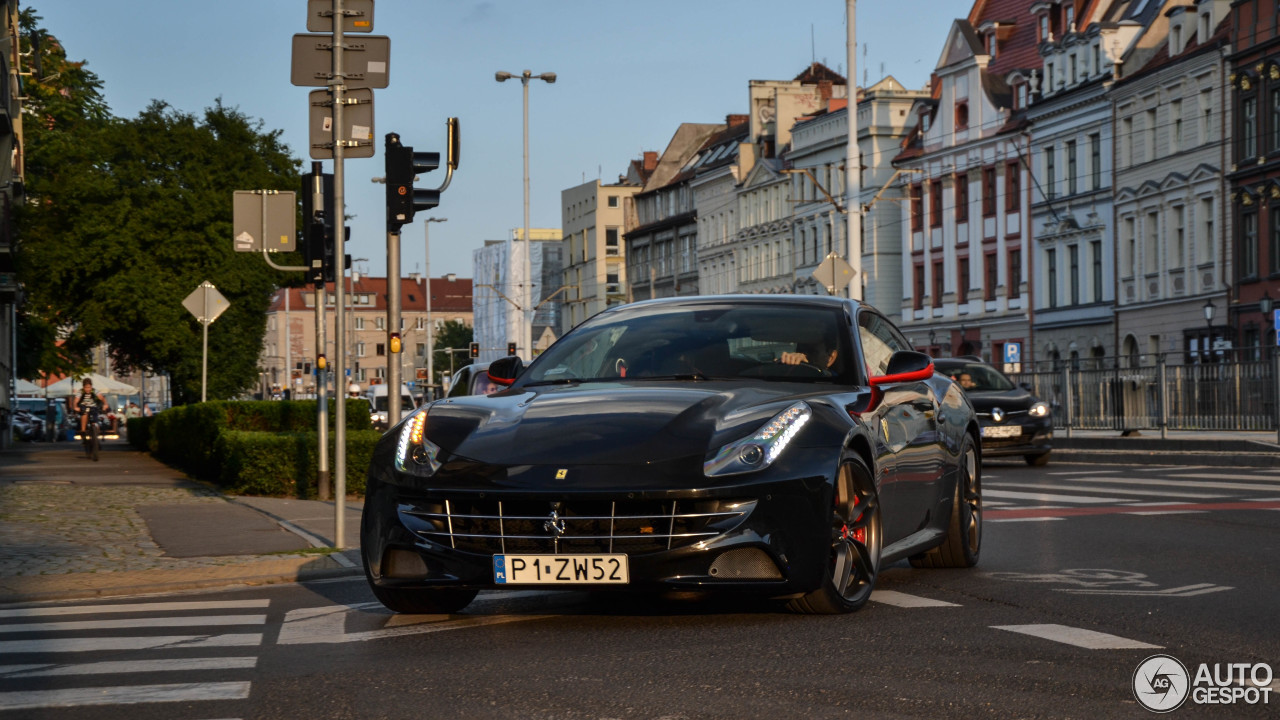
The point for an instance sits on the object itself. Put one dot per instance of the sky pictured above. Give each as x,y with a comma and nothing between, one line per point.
628,75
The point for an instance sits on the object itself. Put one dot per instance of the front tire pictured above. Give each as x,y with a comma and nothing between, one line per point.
856,539
963,543
423,601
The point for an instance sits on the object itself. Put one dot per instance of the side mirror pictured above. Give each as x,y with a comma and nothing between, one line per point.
505,370
1025,386
905,366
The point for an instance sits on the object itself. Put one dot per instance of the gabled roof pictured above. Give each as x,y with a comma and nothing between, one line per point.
817,72
962,43
1221,36
685,143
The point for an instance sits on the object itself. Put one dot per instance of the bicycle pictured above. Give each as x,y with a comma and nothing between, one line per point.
90,435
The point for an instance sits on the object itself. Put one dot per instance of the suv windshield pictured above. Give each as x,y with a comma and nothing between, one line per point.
976,377
702,341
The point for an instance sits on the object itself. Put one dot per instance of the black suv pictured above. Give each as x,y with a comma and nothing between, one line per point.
1014,422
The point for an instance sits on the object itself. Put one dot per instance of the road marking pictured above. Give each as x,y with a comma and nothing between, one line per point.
1175,484
78,697
1079,637
995,503
996,515
1219,476
1168,512
51,610
1184,591
326,625
197,620
903,600
52,645
1083,472
123,667
1048,497
1020,519
1115,491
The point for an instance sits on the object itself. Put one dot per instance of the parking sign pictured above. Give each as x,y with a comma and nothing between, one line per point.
1013,352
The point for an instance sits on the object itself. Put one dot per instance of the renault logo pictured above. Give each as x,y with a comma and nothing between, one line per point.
997,415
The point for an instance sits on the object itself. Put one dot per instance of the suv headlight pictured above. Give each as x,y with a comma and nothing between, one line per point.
1040,409
758,450
415,454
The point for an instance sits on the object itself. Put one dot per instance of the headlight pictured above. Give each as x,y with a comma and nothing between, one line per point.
758,450
1039,410
415,454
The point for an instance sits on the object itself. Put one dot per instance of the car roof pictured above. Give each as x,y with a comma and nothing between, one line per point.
812,300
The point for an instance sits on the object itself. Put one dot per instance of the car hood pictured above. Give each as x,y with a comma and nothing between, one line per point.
1015,399
601,424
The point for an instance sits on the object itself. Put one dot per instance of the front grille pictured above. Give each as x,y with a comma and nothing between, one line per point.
634,527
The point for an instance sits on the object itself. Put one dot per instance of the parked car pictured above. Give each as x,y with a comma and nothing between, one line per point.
472,379
1014,422
377,397
684,444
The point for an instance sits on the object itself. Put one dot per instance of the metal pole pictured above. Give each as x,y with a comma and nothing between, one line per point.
204,347
853,159
1066,396
431,327
1164,397
1275,381
323,489
526,297
339,254
393,328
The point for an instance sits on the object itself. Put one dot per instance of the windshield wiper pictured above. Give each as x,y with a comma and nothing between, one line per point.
695,375
557,381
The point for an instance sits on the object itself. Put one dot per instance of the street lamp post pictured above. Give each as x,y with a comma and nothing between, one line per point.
1208,319
526,296
1265,305
431,327
348,319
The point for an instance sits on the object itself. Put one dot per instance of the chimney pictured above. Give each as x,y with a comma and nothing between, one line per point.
451,277
732,120
650,160
824,89
415,277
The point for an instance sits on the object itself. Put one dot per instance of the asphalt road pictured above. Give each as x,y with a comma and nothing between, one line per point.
1086,571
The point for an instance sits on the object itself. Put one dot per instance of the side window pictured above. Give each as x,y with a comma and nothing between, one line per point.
880,341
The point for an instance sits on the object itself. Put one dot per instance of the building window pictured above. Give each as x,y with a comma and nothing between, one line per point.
611,242
380,323
1149,137
988,192
993,276
1015,274
1074,69
1175,125
1248,245
1095,250
1248,127
1096,67
612,201
1128,247
1020,95
1151,249
1095,160
1073,263
359,323
962,199
991,44
939,283
918,300
359,349
1049,77
1206,116
420,349
1051,267
380,373
924,120
962,276
1177,251
1069,18
1012,187
917,208
1050,174
935,203
1275,240
1126,141
1206,231
1275,121
380,349
962,115
1044,27
1072,187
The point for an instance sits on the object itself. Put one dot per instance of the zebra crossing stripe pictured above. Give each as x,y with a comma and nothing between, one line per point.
126,695
903,600
91,644
1118,491
1199,485
996,515
1048,497
1079,637
195,620
123,667
55,610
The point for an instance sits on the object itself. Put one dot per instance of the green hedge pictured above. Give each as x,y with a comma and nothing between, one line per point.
139,431
255,447
286,464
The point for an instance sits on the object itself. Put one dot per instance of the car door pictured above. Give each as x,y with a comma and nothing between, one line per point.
907,418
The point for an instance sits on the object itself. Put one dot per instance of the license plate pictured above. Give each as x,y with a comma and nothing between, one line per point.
560,569
1002,431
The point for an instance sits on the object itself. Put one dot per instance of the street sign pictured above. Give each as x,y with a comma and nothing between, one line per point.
206,303
1013,352
280,229
833,272
359,16
1275,323
364,61
357,115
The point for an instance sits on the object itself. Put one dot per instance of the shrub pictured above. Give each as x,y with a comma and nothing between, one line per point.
139,432
286,464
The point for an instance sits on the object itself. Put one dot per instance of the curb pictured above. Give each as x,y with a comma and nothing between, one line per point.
177,586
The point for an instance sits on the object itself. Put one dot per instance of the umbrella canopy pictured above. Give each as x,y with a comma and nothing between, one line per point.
26,387
101,383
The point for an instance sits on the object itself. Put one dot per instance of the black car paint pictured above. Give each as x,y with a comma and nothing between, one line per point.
649,439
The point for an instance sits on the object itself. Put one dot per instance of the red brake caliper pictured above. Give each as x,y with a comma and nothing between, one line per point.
859,535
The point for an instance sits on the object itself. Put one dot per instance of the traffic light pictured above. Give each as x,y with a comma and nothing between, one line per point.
395,342
314,190
475,350
511,348
403,199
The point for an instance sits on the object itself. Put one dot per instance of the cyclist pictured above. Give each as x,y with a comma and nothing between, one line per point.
85,401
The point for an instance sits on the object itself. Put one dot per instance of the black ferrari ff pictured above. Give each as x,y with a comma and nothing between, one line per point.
1014,422
785,446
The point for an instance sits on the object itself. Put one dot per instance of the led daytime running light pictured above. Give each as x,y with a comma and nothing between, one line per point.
415,454
772,438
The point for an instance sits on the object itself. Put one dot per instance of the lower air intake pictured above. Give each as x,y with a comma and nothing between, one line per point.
745,564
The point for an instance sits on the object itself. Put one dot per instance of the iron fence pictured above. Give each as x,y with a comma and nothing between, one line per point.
1225,395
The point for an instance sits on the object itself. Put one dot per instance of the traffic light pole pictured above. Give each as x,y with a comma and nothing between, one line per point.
337,87
393,329
322,398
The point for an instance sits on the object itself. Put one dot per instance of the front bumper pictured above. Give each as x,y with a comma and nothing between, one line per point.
1035,438
674,538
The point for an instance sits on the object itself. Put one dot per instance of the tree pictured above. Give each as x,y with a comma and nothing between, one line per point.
127,216
452,334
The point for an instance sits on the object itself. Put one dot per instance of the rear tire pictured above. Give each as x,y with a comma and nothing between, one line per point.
1037,460
856,538
963,543
93,443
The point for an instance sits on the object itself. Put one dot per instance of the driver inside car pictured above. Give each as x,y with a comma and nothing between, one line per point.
815,354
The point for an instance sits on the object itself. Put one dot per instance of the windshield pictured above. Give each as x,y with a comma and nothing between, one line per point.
976,377
380,403
785,342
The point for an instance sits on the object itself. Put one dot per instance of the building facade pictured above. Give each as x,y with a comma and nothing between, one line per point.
500,308
721,168
594,217
1172,225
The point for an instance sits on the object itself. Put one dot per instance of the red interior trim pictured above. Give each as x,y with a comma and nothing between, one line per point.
924,374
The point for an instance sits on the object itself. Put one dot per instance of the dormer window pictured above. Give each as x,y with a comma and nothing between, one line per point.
1020,96
962,115
924,120
1069,18
991,44
1204,28
1044,27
